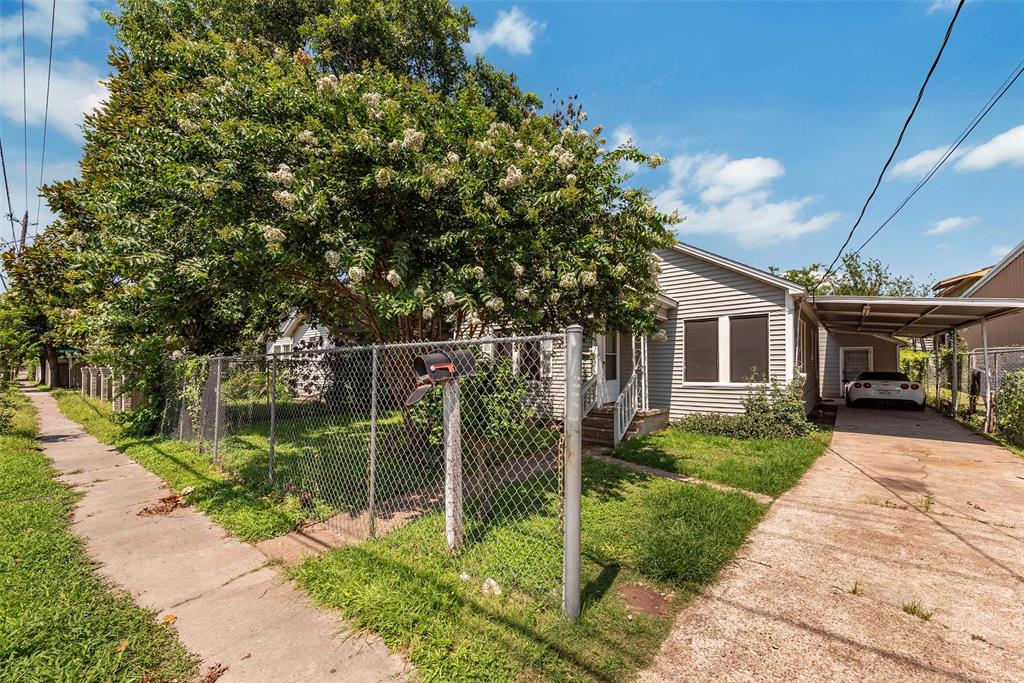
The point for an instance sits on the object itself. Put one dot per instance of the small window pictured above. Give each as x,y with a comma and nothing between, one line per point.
700,350
529,360
748,353
611,356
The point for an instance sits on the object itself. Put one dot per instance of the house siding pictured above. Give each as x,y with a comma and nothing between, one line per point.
885,356
809,339
703,290
1008,330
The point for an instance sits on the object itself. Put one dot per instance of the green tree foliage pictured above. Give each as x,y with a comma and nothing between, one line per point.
856,276
344,159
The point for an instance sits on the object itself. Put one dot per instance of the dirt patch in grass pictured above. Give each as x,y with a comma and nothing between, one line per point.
164,506
640,598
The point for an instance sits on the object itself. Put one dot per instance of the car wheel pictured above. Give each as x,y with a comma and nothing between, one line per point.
919,406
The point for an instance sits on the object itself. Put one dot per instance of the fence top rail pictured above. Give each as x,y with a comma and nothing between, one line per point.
468,341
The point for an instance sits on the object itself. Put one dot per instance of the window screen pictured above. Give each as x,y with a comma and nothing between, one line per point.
748,353
700,350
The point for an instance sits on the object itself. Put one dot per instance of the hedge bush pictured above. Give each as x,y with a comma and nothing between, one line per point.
772,411
1010,410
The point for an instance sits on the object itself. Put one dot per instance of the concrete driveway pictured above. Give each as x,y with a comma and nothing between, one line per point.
904,508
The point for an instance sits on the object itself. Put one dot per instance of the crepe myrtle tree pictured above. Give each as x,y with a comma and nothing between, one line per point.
373,197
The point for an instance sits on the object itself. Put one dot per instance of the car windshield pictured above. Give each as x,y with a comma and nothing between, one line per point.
882,376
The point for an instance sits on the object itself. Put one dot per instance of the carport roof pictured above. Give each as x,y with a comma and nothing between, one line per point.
908,316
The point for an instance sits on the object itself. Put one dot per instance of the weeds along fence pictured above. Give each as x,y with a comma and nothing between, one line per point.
988,396
476,466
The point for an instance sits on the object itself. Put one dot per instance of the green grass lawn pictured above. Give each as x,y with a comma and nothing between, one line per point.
636,529
768,466
247,513
58,620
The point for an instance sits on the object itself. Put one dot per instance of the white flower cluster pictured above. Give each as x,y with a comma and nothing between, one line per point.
448,298
374,104
272,234
499,127
660,336
383,176
513,178
284,198
227,89
428,313
588,278
523,293
567,281
495,304
365,140
619,270
478,272
441,177
649,211
555,296
547,274
518,145
327,84
419,291
282,176
307,138
356,274
564,156
473,319
452,158
333,258
188,127
490,202
570,180
518,269
657,160
413,139
485,147
394,279
566,133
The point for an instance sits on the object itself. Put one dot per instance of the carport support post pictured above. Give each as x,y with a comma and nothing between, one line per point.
988,396
371,494
954,383
938,372
572,471
452,418
272,439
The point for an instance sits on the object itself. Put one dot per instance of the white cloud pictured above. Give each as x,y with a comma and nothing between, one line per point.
622,136
952,223
1005,148
730,200
942,6
72,19
1000,250
512,30
74,89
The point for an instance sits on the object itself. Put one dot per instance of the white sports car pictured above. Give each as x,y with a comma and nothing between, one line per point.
888,387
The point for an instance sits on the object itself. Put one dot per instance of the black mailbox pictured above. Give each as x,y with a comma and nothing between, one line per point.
442,366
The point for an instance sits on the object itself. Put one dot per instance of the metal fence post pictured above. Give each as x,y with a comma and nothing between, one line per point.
452,464
216,414
371,494
573,470
273,417
955,382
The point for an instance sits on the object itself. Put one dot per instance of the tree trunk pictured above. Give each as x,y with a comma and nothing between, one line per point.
53,365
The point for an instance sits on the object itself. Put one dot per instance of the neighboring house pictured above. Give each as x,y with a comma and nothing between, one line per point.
1005,279
299,333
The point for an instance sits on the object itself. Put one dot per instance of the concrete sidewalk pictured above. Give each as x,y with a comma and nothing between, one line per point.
231,607
904,508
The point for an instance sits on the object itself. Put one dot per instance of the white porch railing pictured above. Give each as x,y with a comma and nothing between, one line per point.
589,390
627,405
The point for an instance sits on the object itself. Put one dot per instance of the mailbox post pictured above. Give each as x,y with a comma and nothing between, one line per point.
452,416
445,368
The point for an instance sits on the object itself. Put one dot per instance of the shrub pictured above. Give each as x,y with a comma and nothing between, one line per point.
772,411
914,364
1010,410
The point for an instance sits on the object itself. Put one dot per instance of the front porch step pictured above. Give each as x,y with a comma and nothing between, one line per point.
599,425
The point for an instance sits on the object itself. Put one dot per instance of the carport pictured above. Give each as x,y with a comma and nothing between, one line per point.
916,317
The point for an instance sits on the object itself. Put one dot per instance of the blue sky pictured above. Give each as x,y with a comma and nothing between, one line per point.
775,117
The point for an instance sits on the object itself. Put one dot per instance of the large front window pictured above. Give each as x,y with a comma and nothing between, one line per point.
748,349
700,349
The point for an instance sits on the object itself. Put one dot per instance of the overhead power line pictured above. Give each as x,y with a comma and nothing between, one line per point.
7,190
24,97
982,113
46,112
892,154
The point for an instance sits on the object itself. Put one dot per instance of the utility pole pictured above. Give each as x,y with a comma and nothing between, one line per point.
24,232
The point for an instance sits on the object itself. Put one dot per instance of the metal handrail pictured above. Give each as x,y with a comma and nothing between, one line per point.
626,406
589,393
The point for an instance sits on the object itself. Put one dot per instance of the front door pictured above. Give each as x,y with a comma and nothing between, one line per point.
853,362
610,351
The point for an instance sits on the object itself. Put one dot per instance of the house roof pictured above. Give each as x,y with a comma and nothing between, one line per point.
994,270
955,285
736,266
908,316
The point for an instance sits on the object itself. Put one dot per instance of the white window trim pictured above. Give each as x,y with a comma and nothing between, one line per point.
842,356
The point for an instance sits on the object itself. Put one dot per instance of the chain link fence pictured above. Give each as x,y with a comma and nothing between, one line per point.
999,381
476,464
